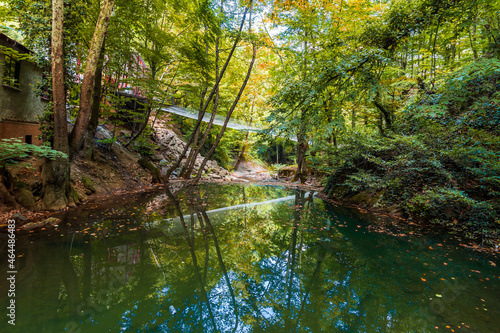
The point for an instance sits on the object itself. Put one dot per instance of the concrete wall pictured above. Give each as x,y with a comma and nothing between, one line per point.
19,108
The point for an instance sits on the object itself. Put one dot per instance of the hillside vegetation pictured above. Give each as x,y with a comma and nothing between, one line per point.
441,162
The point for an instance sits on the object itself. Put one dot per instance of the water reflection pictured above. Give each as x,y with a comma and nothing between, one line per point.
244,259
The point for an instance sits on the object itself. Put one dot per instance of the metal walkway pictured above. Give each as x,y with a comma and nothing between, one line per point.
218,120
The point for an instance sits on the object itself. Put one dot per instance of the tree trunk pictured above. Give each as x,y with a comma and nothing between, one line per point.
301,139
78,133
472,39
380,125
433,60
212,93
241,156
56,172
235,103
88,145
387,114
191,163
301,172
185,173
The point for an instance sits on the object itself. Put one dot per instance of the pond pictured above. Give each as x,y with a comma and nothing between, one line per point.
231,258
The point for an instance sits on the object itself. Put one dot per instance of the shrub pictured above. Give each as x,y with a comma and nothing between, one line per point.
442,161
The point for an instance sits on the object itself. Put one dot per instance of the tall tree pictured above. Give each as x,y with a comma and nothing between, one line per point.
88,145
77,135
211,96
56,187
233,106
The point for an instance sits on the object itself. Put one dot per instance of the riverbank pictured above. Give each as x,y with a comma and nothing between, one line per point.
391,216
383,219
113,167
115,172
260,235
106,185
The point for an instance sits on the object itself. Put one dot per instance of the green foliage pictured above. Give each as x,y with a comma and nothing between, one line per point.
13,150
107,141
467,99
274,169
453,208
143,145
441,163
47,123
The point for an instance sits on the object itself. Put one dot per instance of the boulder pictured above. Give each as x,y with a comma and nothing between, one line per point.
25,197
81,195
156,157
88,184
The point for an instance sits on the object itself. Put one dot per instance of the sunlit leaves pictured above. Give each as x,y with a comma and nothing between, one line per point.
14,150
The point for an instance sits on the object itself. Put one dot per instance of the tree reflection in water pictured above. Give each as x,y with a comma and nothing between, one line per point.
241,259
282,314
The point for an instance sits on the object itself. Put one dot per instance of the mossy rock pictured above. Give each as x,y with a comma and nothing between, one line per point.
25,197
361,198
88,184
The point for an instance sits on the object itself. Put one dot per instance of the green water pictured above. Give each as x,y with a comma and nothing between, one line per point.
276,261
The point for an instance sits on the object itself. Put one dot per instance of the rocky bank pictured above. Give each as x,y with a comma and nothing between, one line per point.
112,168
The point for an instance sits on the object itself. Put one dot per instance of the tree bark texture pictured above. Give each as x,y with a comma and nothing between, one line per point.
88,145
55,173
78,133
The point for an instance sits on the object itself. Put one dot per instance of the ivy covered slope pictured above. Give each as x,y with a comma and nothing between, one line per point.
441,162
